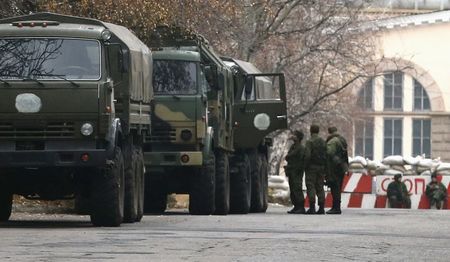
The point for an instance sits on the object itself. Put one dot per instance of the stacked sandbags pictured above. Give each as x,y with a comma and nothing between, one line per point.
278,190
443,169
357,165
393,165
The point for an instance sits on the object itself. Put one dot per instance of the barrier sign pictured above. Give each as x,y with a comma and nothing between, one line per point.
416,185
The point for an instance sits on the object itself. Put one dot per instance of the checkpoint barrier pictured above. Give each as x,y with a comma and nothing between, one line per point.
364,191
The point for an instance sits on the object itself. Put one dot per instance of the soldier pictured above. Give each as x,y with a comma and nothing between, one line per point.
436,192
337,164
294,171
397,193
315,168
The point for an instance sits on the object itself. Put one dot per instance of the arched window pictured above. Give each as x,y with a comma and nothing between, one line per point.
421,100
365,96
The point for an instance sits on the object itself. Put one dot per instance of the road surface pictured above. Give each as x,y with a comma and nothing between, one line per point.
357,235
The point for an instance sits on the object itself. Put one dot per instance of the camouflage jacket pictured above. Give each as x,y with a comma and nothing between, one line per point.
296,156
315,152
436,190
337,156
397,190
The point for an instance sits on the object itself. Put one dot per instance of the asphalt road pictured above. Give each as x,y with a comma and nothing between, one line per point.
357,235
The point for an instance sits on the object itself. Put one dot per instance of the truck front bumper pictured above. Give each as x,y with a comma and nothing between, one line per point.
54,158
190,158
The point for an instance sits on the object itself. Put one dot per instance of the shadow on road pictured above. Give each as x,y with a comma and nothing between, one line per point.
45,224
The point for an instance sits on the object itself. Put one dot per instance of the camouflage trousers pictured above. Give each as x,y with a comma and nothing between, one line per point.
295,176
314,180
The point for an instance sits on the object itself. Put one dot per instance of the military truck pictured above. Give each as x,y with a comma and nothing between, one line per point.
75,101
191,137
259,109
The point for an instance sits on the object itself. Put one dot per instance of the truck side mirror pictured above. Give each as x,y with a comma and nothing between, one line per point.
118,58
248,86
212,76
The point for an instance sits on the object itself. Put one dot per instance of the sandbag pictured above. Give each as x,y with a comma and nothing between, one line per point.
443,166
413,161
425,163
393,160
383,167
277,179
399,168
426,173
392,172
356,165
410,173
372,165
359,159
443,173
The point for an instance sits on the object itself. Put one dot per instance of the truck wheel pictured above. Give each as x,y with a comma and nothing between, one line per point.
202,189
222,184
131,189
259,190
140,183
6,200
107,193
240,195
265,182
155,193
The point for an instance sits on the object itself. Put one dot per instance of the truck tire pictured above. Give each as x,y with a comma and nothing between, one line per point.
240,195
259,184
155,201
202,189
6,200
222,194
131,188
107,193
140,183
265,182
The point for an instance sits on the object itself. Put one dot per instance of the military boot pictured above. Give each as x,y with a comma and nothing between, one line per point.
312,209
336,210
293,210
321,210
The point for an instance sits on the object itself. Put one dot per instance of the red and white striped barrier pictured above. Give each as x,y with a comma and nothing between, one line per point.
364,191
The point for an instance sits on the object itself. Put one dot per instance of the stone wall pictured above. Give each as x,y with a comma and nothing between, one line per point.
440,137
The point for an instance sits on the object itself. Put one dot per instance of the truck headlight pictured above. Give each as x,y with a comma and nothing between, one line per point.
87,129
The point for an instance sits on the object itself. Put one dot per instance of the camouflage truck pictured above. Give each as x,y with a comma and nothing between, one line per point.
259,109
191,137
75,101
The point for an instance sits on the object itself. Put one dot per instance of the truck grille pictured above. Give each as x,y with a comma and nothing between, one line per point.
160,134
50,130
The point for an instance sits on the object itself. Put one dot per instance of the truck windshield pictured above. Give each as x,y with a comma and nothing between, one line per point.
174,77
49,58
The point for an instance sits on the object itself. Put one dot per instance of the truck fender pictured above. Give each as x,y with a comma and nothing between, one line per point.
208,142
113,137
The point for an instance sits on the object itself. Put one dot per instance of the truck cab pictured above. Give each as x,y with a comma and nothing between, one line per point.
191,138
75,99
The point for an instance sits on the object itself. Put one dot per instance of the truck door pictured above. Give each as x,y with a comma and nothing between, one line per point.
260,108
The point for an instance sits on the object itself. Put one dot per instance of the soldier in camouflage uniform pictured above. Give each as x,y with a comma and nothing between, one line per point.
436,192
315,169
397,193
337,164
294,171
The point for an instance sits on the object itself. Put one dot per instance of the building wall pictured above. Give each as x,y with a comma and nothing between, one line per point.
425,48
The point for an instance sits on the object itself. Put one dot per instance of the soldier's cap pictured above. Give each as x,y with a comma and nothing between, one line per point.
332,129
397,176
299,134
433,175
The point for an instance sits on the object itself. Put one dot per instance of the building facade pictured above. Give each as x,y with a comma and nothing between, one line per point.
406,109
